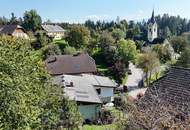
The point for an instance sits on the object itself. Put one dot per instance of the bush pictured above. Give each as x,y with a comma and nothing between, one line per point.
41,40
50,50
69,50
29,101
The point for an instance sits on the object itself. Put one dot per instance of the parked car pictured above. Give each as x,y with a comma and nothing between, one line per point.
129,72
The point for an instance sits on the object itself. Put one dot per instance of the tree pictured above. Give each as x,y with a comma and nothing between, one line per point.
50,50
3,21
184,59
28,99
126,51
70,116
166,32
108,49
118,71
32,20
123,53
149,62
179,43
118,34
41,40
13,19
163,53
78,36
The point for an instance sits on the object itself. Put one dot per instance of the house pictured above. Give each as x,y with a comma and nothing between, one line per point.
90,91
171,92
14,30
103,85
53,31
70,64
78,88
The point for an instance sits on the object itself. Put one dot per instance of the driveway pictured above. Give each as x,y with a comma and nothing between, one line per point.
134,79
135,92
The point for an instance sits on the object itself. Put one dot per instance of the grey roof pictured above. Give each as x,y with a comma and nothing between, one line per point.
69,64
81,91
52,28
100,81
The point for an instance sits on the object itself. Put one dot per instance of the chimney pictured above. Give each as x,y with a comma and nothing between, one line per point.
52,59
77,54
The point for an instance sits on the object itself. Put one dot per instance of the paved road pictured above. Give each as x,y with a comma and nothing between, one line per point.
134,79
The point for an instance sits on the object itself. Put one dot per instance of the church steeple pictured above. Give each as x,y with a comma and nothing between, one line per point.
152,20
152,28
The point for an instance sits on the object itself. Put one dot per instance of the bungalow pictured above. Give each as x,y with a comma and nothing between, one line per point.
14,30
77,88
103,85
90,91
54,31
70,64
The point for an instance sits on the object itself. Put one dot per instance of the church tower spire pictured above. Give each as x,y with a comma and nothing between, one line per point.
152,28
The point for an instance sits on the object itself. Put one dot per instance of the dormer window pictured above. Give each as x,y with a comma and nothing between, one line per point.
98,90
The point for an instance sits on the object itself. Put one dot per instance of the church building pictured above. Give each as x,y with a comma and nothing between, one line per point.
152,28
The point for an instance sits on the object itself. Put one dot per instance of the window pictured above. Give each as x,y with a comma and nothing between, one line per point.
98,90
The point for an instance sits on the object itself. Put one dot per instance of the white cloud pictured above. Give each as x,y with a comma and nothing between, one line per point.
95,17
138,15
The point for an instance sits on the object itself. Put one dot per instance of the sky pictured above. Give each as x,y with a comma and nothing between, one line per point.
75,11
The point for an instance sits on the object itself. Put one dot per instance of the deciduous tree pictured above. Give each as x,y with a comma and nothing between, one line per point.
78,36
32,20
28,99
149,62
184,59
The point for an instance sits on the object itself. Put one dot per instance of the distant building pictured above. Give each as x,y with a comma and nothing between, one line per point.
54,31
70,64
152,28
14,30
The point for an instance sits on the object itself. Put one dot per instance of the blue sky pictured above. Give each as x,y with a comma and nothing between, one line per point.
81,10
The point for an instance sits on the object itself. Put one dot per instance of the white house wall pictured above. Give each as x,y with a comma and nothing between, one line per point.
106,92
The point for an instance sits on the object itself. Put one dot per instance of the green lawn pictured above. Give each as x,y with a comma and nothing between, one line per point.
118,115
103,70
61,43
97,127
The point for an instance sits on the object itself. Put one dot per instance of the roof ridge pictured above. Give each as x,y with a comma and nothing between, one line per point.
96,79
180,67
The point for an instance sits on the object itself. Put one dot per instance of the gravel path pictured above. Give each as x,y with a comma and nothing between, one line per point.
134,79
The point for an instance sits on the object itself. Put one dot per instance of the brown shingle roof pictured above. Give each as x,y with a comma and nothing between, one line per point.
69,64
9,29
171,90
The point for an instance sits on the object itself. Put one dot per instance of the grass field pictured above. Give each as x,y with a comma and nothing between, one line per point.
61,43
96,127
